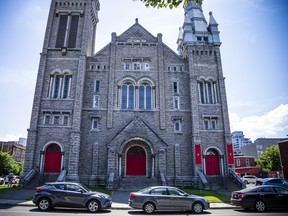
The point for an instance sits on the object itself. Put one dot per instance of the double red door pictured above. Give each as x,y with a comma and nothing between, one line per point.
136,161
53,156
212,163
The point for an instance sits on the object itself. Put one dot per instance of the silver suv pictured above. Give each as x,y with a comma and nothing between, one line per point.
247,179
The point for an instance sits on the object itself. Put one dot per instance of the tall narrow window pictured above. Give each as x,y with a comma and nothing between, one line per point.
73,31
97,86
95,124
145,96
56,86
67,31
96,101
175,88
176,102
66,86
127,95
177,126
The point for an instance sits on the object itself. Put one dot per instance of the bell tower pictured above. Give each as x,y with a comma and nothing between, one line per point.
199,43
56,113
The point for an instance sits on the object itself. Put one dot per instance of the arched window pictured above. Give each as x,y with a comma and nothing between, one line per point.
127,95
66,86
212,151
145,96
207,92
59,86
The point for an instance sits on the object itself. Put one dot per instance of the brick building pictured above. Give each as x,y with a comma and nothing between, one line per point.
246,165
133,110
16,150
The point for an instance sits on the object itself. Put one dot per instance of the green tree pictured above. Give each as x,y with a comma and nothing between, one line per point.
270,159
167,3
7,164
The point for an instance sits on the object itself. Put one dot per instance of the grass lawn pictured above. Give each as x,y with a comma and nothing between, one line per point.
212,196
6,189
101,190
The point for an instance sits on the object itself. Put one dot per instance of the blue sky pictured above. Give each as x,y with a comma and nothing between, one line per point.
254,56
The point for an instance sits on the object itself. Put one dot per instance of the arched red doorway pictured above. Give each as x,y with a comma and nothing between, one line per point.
52,162
212,162
136,161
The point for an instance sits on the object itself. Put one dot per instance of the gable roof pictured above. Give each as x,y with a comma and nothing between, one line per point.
135,129
136,32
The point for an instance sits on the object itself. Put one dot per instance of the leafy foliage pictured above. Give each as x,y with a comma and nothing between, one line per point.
167,3
7,164
270,159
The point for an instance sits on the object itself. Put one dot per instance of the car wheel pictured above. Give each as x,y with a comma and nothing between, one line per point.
2,182
93,206
149,208
44,204
260,206
246,182
197,207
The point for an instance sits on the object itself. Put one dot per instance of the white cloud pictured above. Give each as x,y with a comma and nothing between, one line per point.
271,124
12,137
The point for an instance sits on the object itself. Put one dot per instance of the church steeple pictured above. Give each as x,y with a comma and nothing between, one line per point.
195,29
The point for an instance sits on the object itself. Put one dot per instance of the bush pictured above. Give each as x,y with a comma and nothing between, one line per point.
8,164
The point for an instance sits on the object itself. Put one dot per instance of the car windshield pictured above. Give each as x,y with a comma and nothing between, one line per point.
145,190
182,193
84,187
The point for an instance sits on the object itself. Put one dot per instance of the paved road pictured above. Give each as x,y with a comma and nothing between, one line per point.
32,211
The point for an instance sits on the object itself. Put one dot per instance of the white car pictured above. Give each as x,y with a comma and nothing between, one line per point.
247,179
2,181
15,179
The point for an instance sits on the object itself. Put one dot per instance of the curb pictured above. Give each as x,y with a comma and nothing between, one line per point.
115,207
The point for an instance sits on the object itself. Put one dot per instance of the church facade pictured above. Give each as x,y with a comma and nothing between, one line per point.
135,109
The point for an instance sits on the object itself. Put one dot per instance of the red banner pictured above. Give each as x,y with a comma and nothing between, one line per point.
230,154
198,154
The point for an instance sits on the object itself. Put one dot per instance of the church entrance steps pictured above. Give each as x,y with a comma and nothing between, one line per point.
41,179
135,183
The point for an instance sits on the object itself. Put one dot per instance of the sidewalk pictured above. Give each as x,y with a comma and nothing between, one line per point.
23,197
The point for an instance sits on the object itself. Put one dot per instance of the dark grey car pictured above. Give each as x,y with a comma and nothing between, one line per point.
69,194
166,198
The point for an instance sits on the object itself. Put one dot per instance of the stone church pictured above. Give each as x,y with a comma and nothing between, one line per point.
135,112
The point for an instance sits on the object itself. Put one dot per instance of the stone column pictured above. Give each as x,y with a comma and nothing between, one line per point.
73,162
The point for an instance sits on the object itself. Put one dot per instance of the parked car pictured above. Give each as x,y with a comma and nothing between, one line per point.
2,181
247,179
261,197
273,181
15,179
69,194
166,198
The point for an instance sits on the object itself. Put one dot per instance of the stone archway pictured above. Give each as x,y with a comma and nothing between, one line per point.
137,159
53,157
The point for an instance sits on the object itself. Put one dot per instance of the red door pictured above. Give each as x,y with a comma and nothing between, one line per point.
52,162
136,161
212,165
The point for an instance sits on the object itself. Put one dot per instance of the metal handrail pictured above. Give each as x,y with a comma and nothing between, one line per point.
203,179
61,176
30,175
237,178
163,180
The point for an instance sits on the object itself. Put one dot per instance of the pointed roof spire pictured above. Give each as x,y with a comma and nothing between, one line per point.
212,20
